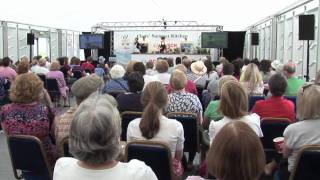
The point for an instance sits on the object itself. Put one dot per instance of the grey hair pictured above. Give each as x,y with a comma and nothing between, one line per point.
95,130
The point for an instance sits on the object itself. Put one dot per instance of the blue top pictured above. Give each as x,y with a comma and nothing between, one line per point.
115,85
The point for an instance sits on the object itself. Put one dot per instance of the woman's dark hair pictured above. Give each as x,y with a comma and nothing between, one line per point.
149,65
178,60
209,66
238,64
140,67
277,84
246,61
228,69
135,82
6,61
154,99
63,60
170,62
265,66
255,61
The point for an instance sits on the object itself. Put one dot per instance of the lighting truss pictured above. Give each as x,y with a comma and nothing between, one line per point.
155,26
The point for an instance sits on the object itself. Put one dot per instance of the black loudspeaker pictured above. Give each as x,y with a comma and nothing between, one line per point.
108,50
306,27
254,39
30,39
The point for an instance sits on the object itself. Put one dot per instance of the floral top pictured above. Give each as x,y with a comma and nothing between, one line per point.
29,119
181,101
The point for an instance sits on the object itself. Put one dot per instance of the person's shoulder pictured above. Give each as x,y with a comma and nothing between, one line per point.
253,117
173,122
139,170
65,162
135,122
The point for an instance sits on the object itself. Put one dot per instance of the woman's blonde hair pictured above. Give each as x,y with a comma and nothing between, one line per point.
252,76
233,100
26,88
23,66
224,79
55,66
236,153
178,80
309,102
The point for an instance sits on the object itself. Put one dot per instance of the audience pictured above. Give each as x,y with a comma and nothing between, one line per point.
116,83
94,142
187,63
26,116
198,75
77,68
149,70
294,84
178,60
99,71
129,68
41,67
237,64
275,106
23,67
156,127
163,76
140,67
234,107
64,66
55,73
171,65
6,71
246,62
227,69
236,153
219,67
190,87
130,101
304,132
87,66
252,80
81,89
265,69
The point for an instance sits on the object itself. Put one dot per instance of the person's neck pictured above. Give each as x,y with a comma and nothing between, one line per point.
108,165
181,90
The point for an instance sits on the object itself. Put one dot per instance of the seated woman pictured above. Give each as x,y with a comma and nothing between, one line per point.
162,75
199,74
94,142
236,153
154,126
76,68
305,132
116,83
234,107
252,80
284,108
211,111
131,101
25,115
55,73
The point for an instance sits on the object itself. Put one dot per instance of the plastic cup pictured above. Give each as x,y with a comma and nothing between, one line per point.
278,143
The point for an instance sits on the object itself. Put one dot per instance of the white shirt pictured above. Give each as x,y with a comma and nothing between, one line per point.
300,134
170,132
68,169
147,79
253,120
164,78
39,70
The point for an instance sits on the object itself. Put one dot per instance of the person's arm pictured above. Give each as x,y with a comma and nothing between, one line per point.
180,142
286,152
199,117
205,123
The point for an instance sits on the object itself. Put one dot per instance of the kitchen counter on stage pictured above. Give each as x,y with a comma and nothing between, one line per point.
150,56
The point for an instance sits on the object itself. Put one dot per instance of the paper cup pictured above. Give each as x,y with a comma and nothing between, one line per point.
278,143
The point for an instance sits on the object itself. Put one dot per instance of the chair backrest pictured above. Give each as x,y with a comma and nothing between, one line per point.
53,88
77,74
116,93
64,148
127,117
27,154
294,100
272,128
191,131
155,154
43,79
307,165
200,89
206,98
253,99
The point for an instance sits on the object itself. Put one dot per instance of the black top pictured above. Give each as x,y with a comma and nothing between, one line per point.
129,102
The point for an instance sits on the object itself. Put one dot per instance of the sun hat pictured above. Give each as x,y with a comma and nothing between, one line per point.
198,68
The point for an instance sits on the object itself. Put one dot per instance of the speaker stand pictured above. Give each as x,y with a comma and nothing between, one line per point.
30,54
308,56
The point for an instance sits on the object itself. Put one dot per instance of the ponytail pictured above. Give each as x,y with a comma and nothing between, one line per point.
150,121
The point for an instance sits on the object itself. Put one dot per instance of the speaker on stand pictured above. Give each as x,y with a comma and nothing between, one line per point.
306,32
255,42
30,42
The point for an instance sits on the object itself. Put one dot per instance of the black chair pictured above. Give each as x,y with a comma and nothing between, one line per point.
191,130
200,89
43,79
272,128
294,100
77,74
307,165
127,117
253,99
28,155
155,154
206,98
53,90
64,148
116,93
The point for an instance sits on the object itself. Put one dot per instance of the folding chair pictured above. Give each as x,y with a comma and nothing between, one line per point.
155,154
294,100
64,148
307,165
53,90
28,155
43,79
77,74
127,117
253,100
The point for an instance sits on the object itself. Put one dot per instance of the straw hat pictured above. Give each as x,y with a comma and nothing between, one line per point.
198,68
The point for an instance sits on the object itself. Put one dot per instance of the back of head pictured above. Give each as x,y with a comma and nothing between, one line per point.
140,67
42,62
223,60
170,62
233,100
236,153
154,99
255,61
252,75
277,84
178,60
55,66
130,64
289,68
178,80
85,86
23,67
6,61
181,67
95,130
186,62
162,66
117,71
149,65
265,66
228,68
237,67
308,103
246,61
225,79
209,65
135,82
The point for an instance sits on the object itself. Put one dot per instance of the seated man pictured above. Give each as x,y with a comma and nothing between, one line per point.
276,106
294,84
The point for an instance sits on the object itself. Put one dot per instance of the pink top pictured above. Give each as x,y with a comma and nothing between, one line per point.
58,75
8,73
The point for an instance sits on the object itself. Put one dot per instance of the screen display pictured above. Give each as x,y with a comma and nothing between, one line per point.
91,41
214,40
